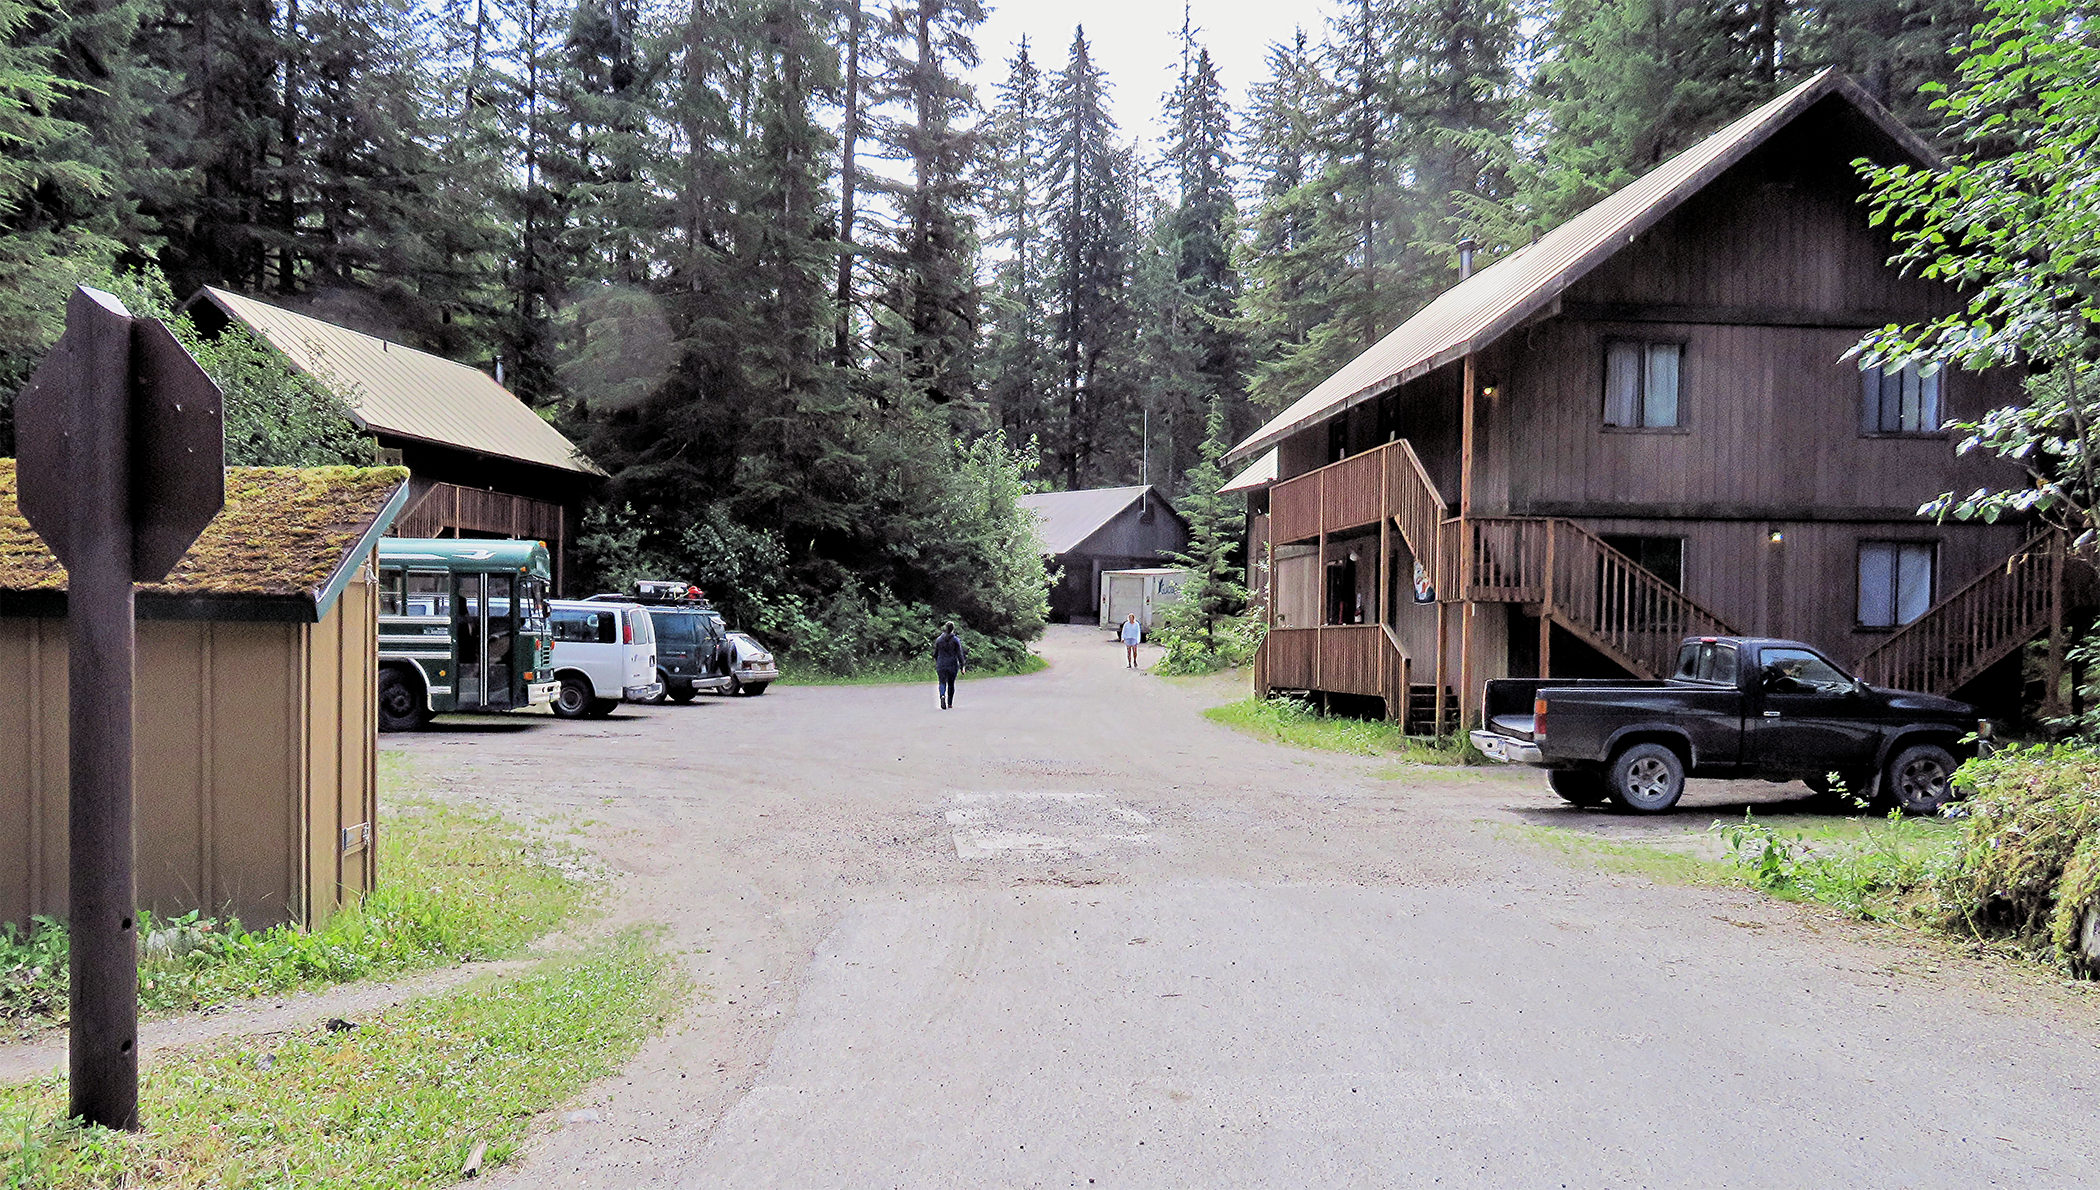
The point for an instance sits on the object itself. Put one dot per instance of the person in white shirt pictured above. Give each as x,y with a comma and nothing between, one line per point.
1132,634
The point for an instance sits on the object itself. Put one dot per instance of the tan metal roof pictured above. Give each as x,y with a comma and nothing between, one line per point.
1067,519
1259,474
1475,312
414,394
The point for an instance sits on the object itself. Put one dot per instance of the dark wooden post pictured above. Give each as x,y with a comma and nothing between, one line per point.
1546,607
2053,703
1466,609
122,465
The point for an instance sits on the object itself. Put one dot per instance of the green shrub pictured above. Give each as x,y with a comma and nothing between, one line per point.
1196,647
2025,871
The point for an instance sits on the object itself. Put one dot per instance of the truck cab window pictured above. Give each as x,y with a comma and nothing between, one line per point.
1707,661
1798,671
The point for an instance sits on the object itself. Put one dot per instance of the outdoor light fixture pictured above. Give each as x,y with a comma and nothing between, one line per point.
1491,389
1777,538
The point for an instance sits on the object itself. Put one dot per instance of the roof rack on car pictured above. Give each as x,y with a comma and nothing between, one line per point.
660,594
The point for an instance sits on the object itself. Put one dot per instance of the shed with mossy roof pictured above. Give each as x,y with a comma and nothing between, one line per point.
255,718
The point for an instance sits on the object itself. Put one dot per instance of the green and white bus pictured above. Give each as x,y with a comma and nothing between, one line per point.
462,627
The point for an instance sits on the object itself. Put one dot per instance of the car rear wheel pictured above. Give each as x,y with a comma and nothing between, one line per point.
1922,778
574,699
1647,778
400,709
736,686
1582,787
663,681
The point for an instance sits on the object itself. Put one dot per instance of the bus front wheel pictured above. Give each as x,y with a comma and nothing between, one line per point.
399,708
575,698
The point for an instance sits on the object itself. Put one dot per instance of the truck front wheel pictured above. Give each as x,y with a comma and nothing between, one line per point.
1647,778
1581,787
1922,778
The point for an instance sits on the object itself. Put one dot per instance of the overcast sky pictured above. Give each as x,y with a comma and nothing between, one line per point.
1137,43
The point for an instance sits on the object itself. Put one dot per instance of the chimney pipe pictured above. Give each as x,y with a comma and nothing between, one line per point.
1466,248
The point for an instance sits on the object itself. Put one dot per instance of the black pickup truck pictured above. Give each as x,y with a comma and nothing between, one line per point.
1737,707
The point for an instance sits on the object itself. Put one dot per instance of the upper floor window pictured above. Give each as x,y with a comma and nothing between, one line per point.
1641,383
1903,400
1895,582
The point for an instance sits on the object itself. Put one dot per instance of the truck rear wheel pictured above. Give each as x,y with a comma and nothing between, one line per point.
1922,778
1581,787
1647,778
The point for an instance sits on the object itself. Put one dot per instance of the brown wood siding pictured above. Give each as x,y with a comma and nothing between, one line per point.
1769,422
256,745
1806,586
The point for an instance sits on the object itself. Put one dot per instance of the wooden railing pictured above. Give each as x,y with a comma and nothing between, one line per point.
1361,659
1618,606
1969,631
1356,492
1414,502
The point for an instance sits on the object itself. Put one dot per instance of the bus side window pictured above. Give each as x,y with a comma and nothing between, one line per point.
393,593
429,595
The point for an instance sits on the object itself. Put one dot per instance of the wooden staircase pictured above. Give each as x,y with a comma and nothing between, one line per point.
1977,626
1568,576
1419,717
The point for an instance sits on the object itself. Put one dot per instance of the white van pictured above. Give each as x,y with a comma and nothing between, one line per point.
603,652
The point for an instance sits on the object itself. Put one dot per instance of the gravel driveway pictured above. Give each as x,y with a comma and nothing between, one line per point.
1071,933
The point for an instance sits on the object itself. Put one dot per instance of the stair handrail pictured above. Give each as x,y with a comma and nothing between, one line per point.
1417,508
1625,610
1921,655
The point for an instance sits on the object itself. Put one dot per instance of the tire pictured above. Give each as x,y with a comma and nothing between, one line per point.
575,698
663,680
735,687
601,707
1921,778
756,689
1581,787
1647,778
399,707
685,696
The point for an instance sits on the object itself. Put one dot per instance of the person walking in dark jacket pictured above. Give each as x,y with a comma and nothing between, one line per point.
947,662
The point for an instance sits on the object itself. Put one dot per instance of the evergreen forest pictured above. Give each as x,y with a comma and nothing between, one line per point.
821,306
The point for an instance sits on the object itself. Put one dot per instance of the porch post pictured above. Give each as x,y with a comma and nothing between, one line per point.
1546,607
1320,631
1465,551
2052,702
1385,564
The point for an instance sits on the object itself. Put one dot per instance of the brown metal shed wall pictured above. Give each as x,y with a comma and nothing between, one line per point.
241,729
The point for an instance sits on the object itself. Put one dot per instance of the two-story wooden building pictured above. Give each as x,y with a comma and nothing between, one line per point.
1644,425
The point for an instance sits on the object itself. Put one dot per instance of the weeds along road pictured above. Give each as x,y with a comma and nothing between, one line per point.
1070,933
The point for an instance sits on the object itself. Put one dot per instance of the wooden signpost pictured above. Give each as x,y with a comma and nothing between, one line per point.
122,463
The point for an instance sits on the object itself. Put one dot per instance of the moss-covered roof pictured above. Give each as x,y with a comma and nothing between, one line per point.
285,532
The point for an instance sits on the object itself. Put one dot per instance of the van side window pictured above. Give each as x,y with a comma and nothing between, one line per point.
586,628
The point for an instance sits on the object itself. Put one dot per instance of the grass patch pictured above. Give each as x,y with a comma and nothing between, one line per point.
454,885
398,1102
1874,869
900,673
1291,721
1665,865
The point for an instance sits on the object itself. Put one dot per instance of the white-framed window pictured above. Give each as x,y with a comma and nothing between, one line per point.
1895,582
1641,383
1903,400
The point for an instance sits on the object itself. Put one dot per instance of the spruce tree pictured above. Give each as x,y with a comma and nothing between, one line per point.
1088,217
1202,229
1015,363
922,117
1197,632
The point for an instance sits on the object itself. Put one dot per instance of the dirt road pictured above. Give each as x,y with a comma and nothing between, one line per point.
1071,933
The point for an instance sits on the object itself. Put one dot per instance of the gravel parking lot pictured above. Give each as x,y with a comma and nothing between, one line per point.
1072,933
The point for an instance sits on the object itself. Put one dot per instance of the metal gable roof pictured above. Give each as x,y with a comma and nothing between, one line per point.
414,394
1500,297
1067,519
